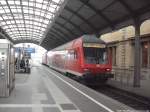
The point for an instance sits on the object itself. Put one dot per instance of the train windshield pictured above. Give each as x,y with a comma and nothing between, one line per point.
95,55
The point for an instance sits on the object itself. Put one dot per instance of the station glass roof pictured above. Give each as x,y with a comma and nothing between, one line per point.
27,19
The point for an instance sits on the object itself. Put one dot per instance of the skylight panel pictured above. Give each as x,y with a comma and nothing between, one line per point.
39,5
30,11
1,18
31,22
5,7
12,6
17,2
45,1
42,13
15,32
27,21
19,10
2,11
25,10
7,10
46,21
1,8
44,6
31,4
10,2
36,23
12,22
28,26
14,10
24,3
3,23
37,13
9,30
5,27
40,1
21,21
51,9
42,29
48,16
26,17
23,31
15,29
3,2
8,22
17,21
56,1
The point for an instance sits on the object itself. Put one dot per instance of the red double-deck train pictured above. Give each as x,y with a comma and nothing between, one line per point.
86,57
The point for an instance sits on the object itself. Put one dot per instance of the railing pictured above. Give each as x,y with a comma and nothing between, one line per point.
123,75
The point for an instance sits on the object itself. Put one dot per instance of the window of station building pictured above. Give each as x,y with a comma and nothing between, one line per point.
144,54
113,55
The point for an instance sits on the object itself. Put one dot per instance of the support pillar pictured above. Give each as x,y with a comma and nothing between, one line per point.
137,58
97,35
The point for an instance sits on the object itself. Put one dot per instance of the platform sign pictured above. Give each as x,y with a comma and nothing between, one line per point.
28,50
27,55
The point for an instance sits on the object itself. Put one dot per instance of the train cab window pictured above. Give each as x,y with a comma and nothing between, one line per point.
95,55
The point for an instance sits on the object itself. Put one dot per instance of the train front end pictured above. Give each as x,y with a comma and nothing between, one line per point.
97,61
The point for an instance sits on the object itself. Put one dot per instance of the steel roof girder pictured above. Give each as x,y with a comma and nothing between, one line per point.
61,33
57,36
82,18
61,25
77,27
126,6
100,13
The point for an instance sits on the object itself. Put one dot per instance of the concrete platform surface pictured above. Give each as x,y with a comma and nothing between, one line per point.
45,90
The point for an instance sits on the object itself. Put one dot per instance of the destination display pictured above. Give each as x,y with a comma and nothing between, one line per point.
94,45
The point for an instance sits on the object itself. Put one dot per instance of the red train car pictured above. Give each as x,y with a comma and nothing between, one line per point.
86,57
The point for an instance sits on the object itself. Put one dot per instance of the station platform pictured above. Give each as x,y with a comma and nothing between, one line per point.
45,90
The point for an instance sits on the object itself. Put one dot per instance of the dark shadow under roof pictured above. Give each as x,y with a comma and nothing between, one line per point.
94,17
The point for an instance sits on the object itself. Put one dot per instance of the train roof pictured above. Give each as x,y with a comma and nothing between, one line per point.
85,39
92,39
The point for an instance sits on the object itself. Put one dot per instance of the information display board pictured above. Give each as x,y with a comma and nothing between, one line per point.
28,50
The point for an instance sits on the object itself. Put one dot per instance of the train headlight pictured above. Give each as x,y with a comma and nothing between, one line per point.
86,70
108,69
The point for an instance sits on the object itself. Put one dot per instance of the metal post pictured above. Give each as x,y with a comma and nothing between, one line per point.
137,59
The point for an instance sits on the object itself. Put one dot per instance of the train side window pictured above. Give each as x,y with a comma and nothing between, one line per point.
72,55
75,54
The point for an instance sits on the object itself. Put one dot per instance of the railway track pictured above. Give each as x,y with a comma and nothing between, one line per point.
135,101
130,99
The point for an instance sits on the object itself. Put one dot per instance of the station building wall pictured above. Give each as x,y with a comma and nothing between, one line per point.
121,44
